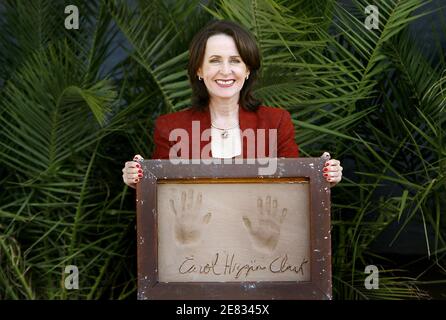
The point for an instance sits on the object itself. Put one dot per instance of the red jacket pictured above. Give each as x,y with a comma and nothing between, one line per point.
264,118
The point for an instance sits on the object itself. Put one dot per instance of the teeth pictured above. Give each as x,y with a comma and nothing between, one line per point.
225,82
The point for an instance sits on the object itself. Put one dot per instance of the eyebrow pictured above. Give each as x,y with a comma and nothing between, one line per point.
217,56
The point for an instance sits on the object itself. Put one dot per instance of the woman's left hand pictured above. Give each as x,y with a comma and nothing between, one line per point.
332,171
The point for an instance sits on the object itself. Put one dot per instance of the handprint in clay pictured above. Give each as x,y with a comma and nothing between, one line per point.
265,230
189,218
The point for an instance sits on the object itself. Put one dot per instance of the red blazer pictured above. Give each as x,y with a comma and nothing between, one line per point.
264,118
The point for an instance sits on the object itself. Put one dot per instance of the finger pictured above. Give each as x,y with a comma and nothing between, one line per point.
332,162
130,184
260,206
183,200
328,176
326,155
268,205
133,180
129,177
132,164
334,180
207,218
247,223
332,174
130,174
172,206
334,169
284,212
190,199
132,177
132,171
274,209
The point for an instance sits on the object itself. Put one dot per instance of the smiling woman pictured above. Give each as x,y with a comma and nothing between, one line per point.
224,61
224,49
223,70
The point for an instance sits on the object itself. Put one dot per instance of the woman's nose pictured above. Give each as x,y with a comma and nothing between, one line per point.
225,68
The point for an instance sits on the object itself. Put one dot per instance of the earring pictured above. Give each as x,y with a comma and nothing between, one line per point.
247,76
199,78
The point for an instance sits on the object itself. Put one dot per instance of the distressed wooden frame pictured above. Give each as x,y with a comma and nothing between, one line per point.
156,171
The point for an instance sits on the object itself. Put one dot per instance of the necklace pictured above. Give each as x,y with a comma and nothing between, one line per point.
225,132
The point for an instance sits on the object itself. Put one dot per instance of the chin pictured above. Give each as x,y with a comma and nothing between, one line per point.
231,95
226,95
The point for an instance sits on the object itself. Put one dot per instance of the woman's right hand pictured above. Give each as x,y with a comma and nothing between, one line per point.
132,172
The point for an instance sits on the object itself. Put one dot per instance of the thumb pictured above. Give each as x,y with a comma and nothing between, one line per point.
138,157
247,223
326,155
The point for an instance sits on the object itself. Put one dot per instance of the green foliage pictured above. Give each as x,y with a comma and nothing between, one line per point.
70,117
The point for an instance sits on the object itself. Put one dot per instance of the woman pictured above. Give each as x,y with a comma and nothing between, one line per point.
223,66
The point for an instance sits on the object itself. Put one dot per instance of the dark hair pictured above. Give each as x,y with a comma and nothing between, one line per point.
249,52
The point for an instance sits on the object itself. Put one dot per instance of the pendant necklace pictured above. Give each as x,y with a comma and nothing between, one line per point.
225,133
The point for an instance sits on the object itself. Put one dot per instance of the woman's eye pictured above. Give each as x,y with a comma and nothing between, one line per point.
231,61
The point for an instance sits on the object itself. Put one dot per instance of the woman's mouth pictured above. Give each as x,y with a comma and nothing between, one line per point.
225,83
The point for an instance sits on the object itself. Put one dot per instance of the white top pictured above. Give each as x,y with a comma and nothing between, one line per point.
228,147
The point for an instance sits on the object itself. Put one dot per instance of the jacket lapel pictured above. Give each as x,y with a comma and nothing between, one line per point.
205,123
247,120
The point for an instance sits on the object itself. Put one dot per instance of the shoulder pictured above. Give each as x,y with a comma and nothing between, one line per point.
272,115
270,110
275,112
175,116
178,119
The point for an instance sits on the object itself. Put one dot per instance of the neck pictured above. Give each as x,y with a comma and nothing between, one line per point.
224,113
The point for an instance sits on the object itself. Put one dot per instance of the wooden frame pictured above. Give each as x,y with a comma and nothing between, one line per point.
157,172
